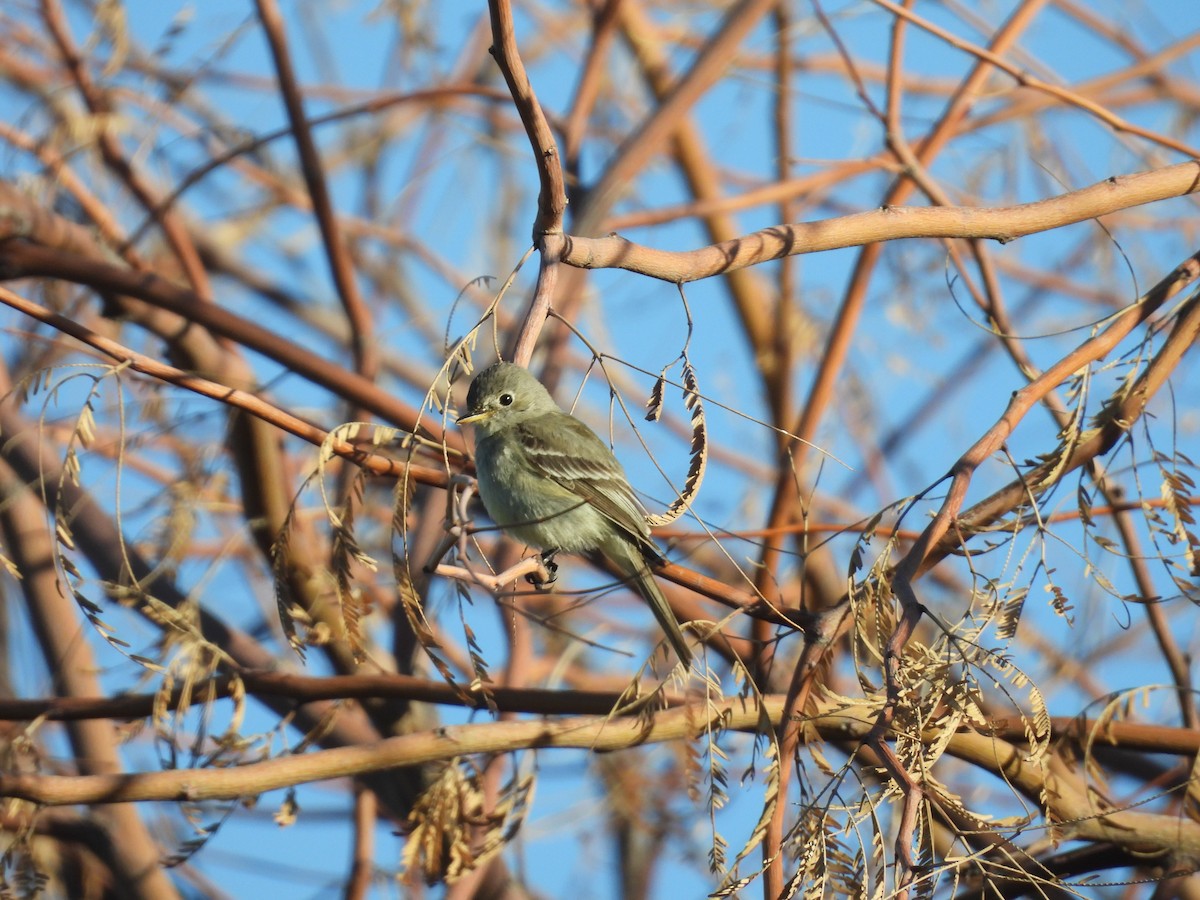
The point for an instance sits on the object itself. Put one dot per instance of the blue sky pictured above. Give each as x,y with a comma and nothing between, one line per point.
475,213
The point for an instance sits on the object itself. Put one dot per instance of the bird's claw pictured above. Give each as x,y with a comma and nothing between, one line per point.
550,567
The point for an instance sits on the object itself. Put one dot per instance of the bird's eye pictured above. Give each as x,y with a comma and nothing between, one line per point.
506,399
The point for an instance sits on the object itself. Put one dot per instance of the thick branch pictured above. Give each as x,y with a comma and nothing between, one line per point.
1001,223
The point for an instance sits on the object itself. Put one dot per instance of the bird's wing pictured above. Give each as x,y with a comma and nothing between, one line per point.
590,471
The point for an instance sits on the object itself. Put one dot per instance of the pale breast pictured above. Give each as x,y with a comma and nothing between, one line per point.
532,508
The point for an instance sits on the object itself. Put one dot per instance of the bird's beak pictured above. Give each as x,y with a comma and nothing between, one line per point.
476,417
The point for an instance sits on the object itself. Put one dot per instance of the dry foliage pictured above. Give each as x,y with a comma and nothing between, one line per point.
928,496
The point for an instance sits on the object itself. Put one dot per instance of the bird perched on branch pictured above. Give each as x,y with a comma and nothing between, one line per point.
550,481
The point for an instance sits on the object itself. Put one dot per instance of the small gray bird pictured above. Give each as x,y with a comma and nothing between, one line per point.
550,481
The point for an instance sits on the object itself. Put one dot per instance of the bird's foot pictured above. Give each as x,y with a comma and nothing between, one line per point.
549,574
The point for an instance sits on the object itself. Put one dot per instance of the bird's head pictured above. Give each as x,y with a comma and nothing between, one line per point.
502,395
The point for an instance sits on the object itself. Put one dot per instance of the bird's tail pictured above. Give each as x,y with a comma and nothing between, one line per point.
631,562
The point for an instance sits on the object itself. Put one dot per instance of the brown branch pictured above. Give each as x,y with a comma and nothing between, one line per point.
362,860
305,689
114,157
938,540
552,198
597,733
116,561
704,180
591,77
232,397
94,744
366,362
1177,661
1002,223
376,463
786,494
647,140
1115,421
791,190
20,259
1027,80
1069,800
